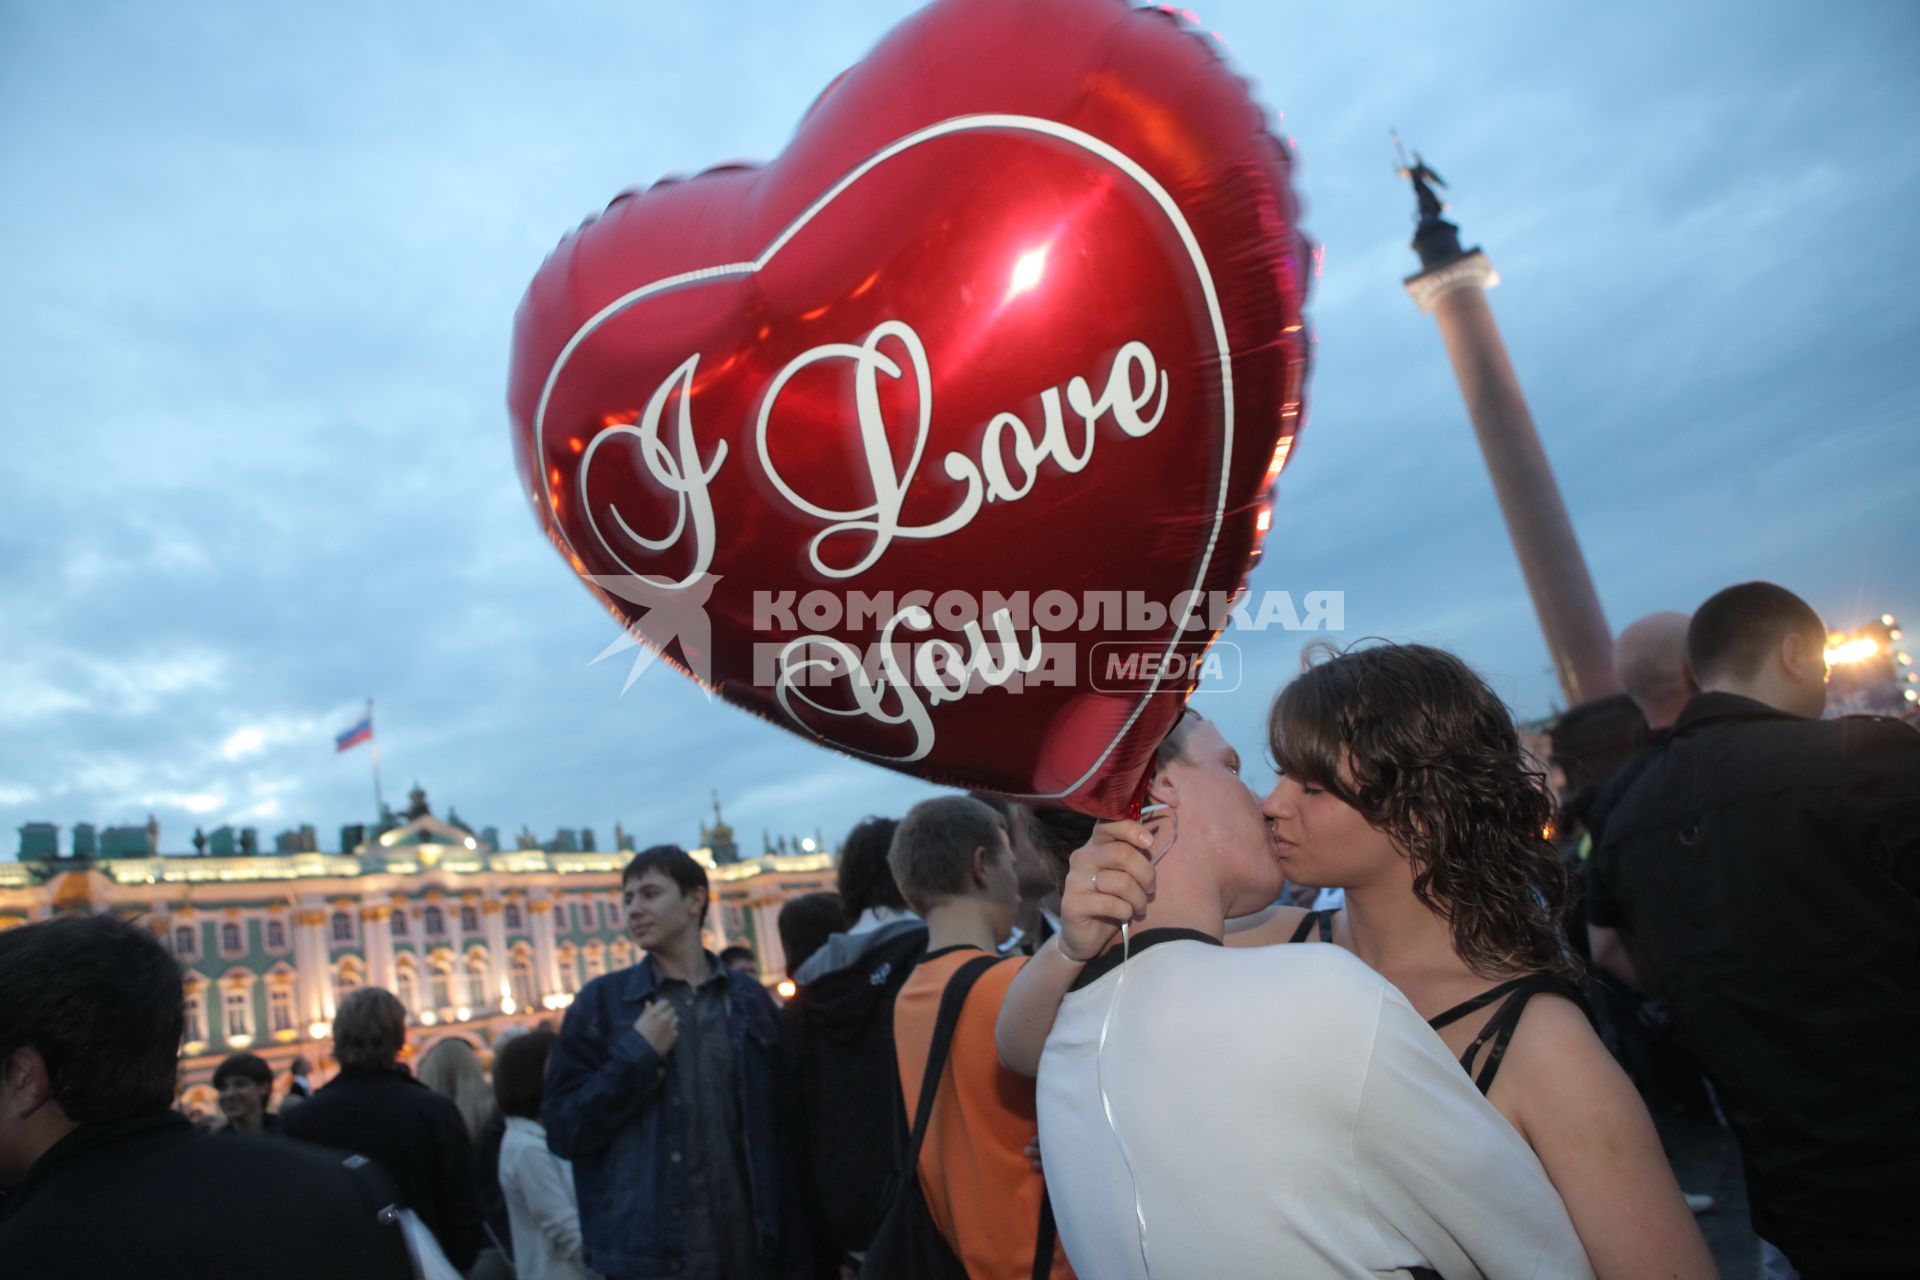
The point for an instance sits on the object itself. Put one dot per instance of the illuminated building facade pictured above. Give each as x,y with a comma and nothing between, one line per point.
471,939
1871,672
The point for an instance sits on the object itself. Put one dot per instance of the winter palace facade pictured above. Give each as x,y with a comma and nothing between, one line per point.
469,938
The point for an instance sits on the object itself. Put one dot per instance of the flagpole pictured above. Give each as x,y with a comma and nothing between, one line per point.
373,741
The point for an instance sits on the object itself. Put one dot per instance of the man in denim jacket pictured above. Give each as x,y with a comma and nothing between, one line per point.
660,1091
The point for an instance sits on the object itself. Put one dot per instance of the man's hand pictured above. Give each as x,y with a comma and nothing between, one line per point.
659,1025
1109,883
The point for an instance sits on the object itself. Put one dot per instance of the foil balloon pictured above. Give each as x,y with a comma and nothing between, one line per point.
945,437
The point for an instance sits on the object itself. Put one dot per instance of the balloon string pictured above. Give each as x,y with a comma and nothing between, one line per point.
1106,1102
1106,1026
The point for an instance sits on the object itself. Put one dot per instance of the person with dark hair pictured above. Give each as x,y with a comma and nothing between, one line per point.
741,960
1403,781
1038,917
376,1110
660,1091
805,924
1764,876
91,1013
836,1036
954,865
871,899
542,1206
299,1088
1233,1111
243,1084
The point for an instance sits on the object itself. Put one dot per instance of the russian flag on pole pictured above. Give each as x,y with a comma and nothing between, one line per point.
362,731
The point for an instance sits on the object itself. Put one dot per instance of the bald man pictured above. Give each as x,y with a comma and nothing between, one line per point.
1650,658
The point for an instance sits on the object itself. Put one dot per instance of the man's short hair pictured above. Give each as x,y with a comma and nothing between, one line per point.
104,1004
519,1073
246,1066
730,956
1734,631
865,879
677,865
369,1029
933,848
1173,747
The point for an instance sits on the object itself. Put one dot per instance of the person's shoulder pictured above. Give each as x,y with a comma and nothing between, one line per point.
750,989
1335,966
1267,928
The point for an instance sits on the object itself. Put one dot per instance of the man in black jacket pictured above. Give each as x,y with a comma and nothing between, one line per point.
106,1181
838,1079
411,1132
1766,872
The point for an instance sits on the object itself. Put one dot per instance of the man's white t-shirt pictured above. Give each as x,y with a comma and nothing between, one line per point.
1285,1113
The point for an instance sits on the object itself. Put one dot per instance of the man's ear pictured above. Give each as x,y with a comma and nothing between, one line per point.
977,865
1797,656
25,1083
1162,789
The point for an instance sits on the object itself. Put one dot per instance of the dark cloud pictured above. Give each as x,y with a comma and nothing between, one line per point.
262,273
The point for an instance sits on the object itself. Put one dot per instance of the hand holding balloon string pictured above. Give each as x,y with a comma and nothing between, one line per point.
1110,880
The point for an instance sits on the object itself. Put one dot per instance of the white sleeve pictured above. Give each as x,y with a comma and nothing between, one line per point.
1445,1170
546,1182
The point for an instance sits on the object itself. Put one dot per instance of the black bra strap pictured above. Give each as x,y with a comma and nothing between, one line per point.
1501,1026
1307,922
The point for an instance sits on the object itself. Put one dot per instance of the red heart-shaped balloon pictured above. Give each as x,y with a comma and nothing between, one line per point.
908,440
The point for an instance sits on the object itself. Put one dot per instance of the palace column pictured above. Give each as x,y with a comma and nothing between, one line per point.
772,956
546,960
494,922
315,988
376,932
1451,287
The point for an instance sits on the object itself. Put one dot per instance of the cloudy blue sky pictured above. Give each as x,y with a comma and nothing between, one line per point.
261,268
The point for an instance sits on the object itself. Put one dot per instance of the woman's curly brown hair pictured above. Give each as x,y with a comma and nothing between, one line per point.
1428,754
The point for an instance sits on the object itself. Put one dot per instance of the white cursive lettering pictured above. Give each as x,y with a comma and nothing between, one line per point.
677,470
947,673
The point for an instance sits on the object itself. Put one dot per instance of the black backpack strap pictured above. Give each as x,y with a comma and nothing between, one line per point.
1043,1243
952,1000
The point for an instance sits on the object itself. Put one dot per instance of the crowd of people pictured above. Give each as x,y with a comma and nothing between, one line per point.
1022,1044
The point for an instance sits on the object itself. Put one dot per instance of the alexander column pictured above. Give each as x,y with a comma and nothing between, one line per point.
1451,287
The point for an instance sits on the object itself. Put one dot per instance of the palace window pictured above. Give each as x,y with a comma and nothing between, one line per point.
469,920
276,935
513,915
583,916
347,980
622,952
196,1015
610,911
569,969
522,980
230,938
239,1012
434,921
596,960
400,923
186,943
406,988
342,927
280,1008
440,987
478,997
